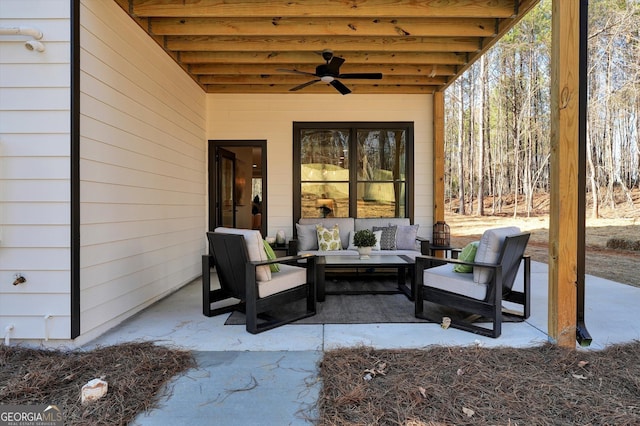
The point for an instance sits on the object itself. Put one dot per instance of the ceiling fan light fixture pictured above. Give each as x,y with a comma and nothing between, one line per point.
326,79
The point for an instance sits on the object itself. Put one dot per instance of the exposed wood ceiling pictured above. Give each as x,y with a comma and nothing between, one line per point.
239,46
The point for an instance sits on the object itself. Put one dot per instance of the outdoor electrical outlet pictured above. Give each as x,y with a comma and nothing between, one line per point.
19,279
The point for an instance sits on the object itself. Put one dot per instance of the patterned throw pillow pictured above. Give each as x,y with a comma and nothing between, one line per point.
328,239
468,254
270,256
388,238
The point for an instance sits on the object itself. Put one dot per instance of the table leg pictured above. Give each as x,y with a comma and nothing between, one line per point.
320,280
405,289
401,277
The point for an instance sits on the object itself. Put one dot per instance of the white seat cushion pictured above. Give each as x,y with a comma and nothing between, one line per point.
444,278
289,277
489,251
255,249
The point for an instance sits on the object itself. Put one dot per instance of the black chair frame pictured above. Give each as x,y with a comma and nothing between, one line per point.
237,276
504,273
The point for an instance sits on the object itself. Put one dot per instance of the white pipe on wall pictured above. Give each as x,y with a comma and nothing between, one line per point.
33,32
28,31
34,45
7,334
46,327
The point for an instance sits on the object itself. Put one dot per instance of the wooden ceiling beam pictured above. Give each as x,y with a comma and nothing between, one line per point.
267,69
320,88
292,80
395,44
324,8
308,58
370,27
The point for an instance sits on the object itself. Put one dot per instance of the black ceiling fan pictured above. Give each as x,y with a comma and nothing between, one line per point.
330,73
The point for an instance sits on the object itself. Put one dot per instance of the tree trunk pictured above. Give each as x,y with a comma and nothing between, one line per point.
461,194
595,205
482,79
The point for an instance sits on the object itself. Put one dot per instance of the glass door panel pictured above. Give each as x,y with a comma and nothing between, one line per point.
226,190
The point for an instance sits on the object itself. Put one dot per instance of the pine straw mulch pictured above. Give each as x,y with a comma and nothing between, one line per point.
135,373
544,385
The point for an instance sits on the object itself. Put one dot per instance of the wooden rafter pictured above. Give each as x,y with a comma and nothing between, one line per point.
325,8
354,58
299,79
305,27
261,70
305,44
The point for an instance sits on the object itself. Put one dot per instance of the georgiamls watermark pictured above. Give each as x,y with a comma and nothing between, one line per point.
31,415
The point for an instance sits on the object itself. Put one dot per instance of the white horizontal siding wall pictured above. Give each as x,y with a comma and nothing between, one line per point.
271,117
34,171
143,170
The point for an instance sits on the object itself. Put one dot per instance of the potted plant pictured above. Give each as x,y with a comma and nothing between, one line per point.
364,239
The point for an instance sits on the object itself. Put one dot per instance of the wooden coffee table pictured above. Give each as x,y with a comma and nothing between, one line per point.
401,263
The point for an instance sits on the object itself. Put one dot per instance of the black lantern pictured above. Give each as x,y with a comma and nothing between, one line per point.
441,234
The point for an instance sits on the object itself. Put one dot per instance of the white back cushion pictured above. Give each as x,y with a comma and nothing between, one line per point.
370,222
344,223
489,251
255,249
307,237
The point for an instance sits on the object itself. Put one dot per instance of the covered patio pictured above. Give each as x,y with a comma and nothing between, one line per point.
421,48
127,177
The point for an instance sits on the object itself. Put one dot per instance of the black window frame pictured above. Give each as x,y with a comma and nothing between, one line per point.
353,127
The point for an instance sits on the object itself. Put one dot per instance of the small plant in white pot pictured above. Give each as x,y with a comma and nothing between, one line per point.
364,239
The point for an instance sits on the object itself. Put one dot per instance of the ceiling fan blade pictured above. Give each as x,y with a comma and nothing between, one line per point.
368,76
334,65
302,86
340,87
295,72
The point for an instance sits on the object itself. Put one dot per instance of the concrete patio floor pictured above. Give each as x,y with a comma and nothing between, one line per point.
272,378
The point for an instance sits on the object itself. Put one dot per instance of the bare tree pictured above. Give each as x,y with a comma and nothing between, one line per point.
501,138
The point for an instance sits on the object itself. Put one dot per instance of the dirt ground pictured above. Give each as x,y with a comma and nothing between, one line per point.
614,264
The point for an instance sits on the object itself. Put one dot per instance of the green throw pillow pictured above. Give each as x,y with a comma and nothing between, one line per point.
271,255
468,254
